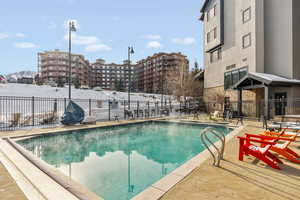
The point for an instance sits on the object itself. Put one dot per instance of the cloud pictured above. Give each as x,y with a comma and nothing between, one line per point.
91,43
184,41
152,37
3,35
154,45
25,45
82,40
20,35
52,25
97,47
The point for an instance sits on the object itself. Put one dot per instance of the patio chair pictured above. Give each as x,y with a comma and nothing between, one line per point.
282,148
262,153
129,114
284,133
15,121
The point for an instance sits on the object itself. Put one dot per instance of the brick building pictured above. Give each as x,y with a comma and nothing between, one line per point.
111,76
54,65
153,71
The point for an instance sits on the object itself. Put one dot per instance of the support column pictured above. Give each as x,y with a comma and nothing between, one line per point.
240,102
266,110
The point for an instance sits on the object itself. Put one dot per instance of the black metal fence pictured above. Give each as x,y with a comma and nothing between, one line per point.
256,109
26,112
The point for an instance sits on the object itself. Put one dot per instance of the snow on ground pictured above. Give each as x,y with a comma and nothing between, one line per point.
40,107
24,90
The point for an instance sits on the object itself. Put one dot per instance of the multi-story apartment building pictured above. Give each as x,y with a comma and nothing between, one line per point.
112,76
54,66
252,46
153,71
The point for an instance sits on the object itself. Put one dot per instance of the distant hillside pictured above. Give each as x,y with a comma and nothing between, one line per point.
16,75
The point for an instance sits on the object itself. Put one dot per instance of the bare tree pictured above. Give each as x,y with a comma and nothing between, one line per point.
183,84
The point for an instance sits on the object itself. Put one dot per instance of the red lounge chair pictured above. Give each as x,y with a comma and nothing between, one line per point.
261,153
282,148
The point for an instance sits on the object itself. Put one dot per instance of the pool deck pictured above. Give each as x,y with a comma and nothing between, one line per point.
240,180
234,180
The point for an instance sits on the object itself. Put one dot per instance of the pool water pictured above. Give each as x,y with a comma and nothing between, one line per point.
119,162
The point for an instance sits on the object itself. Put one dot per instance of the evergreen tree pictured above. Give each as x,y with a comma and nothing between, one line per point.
60,82
76,83
196,67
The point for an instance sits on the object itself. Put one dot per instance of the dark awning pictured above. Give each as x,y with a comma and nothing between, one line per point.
258,80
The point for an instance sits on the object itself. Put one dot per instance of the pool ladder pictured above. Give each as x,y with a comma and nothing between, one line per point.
208,143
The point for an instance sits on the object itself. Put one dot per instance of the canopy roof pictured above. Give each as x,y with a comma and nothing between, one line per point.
257,80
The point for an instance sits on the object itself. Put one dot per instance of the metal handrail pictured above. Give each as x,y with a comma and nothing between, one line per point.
207,143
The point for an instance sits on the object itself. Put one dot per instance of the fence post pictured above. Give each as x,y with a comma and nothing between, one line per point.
90,107
148,109
109,110
65,104
32,110
124,109
138,107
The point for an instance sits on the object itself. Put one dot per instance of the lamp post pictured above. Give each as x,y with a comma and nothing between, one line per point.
71,28
130,51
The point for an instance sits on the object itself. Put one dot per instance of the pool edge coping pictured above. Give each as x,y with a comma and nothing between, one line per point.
165,184
162,186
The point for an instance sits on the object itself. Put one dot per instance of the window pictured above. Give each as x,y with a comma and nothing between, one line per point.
247,40
215,32
216,55
212,12
232,77
208,37
247,15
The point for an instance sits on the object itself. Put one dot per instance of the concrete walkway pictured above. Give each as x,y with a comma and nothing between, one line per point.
8,187
240,180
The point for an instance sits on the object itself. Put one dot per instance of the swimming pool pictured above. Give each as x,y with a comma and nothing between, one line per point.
119,162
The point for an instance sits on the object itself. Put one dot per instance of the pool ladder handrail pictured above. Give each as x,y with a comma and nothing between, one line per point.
205,139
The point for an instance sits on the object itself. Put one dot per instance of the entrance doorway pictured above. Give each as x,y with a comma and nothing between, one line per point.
280,103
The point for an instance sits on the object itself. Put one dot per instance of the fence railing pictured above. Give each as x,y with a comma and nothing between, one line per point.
23,112
256,109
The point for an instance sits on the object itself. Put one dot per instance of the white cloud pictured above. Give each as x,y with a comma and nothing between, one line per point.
184,41
154,45
97,47
20,35
52,25
3,35
152,37
25,45
82,40
91,43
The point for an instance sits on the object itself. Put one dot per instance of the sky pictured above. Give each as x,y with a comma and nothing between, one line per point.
105,29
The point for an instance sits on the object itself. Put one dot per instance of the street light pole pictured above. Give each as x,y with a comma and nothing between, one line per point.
71,28
130,51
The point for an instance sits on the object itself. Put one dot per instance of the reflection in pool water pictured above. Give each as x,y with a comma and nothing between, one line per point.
119,162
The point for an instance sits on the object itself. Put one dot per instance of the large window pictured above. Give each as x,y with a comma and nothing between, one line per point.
216,55
215,32
208,37
247,15
212,12
247,40
232,77
211,35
